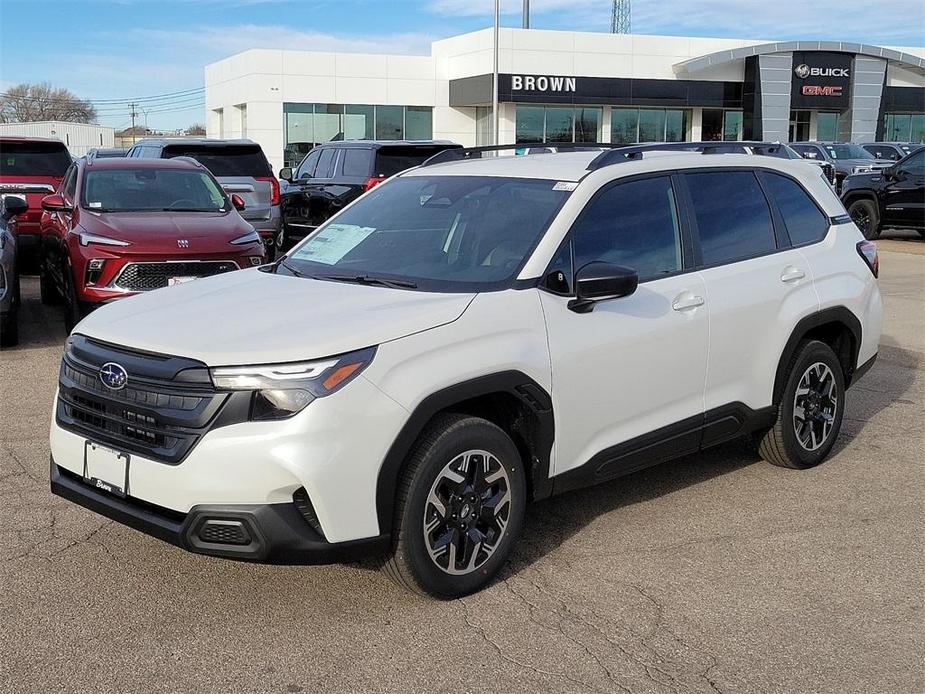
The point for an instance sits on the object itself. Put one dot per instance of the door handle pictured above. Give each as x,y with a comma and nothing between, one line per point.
685,301
791,274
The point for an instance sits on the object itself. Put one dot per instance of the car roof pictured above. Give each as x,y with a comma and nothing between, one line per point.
377,144
197,141
137,163
573,166
29,138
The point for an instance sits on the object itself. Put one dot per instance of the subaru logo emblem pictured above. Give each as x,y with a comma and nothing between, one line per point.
802,71
183,243
113,376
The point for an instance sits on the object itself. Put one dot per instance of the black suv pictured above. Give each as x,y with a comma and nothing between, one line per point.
892,197
334,174
891,150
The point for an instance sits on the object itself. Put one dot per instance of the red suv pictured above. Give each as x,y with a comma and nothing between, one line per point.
30,169
121,226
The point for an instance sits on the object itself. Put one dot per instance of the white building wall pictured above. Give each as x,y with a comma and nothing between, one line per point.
79,138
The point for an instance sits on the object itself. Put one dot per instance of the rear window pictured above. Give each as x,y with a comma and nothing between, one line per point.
391,160
356,162
33,159
225,160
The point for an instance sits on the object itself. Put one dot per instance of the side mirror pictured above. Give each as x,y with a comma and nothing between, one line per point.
237,201
286,174
600,281
13,206
55,203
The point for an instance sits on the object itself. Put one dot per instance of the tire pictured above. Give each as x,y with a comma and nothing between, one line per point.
866,216
803,443
73,308
47,289
473,538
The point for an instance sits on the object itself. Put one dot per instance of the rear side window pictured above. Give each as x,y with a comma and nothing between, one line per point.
33,159
357,162
307,167
225,160
732,214
391,160
632,224
804,221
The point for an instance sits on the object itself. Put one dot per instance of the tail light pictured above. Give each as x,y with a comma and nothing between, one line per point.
274,188
372,182
868,251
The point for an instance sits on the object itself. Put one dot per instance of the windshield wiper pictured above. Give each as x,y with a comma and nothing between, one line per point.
371,280
292,270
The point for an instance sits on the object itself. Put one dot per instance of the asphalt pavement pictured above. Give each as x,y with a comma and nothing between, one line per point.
716,573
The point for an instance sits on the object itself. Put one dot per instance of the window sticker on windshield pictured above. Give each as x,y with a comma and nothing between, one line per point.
565,185
332,243
94,204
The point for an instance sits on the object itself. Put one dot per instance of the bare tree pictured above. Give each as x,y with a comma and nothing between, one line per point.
36,102
196,129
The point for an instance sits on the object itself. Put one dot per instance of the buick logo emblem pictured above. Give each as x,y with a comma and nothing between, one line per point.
113,376
801,71
183,243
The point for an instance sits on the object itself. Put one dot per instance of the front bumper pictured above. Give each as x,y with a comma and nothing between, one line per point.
266,533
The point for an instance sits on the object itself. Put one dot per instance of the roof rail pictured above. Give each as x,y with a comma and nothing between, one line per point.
618,154
463,153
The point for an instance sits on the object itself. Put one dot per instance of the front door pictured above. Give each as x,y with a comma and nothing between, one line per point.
904,195
634,365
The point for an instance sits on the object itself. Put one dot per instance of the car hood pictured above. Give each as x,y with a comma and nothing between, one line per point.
254,317
876,163
161,230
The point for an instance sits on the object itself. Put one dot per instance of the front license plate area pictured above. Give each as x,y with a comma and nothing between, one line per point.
106,469
171,281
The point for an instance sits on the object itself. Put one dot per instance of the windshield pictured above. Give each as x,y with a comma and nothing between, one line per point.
33,159
225,160
144,189
444,233
848,151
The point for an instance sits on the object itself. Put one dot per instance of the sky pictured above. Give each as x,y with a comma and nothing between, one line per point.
115,51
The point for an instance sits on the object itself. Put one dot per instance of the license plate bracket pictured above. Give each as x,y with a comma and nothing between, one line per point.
173,281
106,469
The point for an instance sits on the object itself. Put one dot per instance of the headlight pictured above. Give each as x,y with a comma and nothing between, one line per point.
860,169
250,237
86,239
282,390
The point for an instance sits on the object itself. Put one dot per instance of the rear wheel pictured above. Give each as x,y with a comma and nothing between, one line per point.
460,508
866,216
810,411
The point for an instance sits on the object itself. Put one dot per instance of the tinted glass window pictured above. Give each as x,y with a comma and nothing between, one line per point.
808,151
732,215
391,160
357,162
307,167
325,168
389,123
453,233
70,182
225,160
804,221
138,190
631,224
33,159
914,164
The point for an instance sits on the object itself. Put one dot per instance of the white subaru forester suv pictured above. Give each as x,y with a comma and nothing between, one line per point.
464,339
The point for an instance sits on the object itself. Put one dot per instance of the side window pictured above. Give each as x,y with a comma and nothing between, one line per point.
325,168
915,164
633,224
357,162
804,221
307,167
732,214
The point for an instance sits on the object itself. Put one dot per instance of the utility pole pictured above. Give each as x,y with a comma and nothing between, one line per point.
620,17
133,106
494,95
526,24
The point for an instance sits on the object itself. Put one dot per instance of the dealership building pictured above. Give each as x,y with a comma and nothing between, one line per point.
559,86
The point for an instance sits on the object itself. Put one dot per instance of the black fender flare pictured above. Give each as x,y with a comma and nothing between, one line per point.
515,383
835,314
861,194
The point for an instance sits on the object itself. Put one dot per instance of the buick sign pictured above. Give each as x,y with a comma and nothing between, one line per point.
803,71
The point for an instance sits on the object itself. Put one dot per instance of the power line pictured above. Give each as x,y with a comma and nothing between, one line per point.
158,100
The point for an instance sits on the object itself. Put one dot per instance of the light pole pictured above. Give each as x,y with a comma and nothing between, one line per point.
494,95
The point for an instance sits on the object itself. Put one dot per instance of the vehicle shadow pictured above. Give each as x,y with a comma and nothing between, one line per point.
552,522
39,325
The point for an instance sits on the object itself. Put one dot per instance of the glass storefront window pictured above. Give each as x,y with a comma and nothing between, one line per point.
624,125
389,123
588,124
560,124
359,123
732,125
651,125
677,125
826,127
530,121
419,123
904,127
631,125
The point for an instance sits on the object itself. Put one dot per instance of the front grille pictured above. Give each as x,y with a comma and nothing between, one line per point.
142,277
829,172
158,414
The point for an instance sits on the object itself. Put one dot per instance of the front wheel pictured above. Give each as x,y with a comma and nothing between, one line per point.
74,309
866,216
460,509
810,411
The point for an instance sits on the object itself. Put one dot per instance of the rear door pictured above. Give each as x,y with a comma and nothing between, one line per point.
904,193
240,168
757,286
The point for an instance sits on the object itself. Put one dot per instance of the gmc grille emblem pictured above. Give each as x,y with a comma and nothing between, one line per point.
183,243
